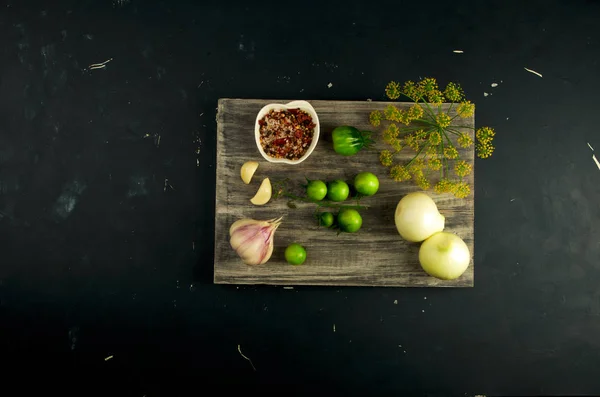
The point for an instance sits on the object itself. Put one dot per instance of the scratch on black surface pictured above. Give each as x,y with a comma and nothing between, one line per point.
246,358
73,336
120,3
23,44
68,199
4,214
167,184
137,186
9,184
48,54
160,72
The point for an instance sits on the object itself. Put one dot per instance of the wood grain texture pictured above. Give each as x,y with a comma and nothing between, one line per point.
375,256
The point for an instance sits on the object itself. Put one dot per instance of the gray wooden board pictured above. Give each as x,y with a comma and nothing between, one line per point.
375,256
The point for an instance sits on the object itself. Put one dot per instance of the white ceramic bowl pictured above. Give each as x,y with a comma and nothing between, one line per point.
302,105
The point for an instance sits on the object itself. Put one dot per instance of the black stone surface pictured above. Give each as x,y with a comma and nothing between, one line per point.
107,194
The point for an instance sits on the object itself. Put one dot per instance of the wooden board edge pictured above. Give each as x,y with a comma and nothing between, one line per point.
473,193
220,105
220,281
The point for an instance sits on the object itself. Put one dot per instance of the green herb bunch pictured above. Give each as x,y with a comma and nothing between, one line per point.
428,130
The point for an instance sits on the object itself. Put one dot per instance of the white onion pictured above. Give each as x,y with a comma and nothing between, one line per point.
445,256
417,217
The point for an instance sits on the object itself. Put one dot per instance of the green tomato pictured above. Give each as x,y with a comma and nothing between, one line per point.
326,219
338,190
316,190
349,220
295,254
347,140
366,183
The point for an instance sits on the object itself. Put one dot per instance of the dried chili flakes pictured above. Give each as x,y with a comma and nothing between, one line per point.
286,133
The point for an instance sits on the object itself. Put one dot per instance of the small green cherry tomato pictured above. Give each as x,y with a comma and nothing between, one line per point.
316,190
349,220
326,219
295,254
338,190
348,141
366,183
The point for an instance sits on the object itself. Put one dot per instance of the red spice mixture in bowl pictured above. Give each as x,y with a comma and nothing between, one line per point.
287,133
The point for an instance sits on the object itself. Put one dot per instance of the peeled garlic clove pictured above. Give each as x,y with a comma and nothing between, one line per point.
247,171
252,240
263,195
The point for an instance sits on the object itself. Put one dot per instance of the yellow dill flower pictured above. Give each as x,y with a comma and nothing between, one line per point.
461,190
399,173
415,112
412,91
428,84
443,186
390,133
416,166
386,158
415,172
432,151
462,168
396,144
404,117
450,152
410,139
485,134
413,142
393,130
375,118
443,120
392,90
434,164
392,113
434,139
420,134
422,182
465,140
485,150
465,109
453,92
436,97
